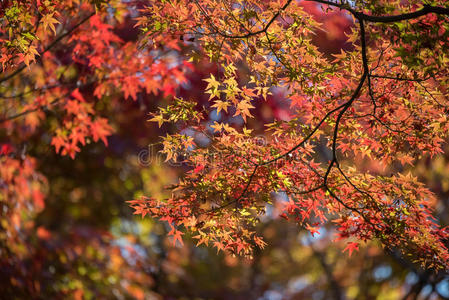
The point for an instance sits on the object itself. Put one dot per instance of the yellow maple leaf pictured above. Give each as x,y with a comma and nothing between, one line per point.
221,105
217,127
49,21
212,83
243,109
159,119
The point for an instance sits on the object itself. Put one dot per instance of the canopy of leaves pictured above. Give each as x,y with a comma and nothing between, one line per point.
383,100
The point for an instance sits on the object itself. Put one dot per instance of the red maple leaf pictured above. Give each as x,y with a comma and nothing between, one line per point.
58,142
77,95
100,129
351,247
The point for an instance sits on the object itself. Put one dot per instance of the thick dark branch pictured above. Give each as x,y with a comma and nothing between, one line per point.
427,9
349,103
337,122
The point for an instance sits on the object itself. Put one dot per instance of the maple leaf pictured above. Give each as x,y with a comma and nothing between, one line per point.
78,135
198,168
248,92
212,87
131,87
221,105
70,149
49,21
312,229
406,159
243,109
100,129
177,236
5,149
58,142
351,247
77,95
260,242
29,57
297,100
72,107
219,246
202,239
212,83
240,247
344,147
159,119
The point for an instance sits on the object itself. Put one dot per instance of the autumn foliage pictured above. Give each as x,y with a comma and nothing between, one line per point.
346,125
383,101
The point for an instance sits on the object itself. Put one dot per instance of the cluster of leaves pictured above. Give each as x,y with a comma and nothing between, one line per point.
65,65
378,101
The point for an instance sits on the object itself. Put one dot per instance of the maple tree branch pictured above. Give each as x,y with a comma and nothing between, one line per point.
45,88
344,107
334,161
399,78
248,183
280,59
337,122
334,196
431,95
304,192
41,107
298,192
347,105
358,15
39,89
49,47
375,106
31,110
249,34
307,138
325,185
234,18
353,97
348,180
360,209
427,9
242,194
